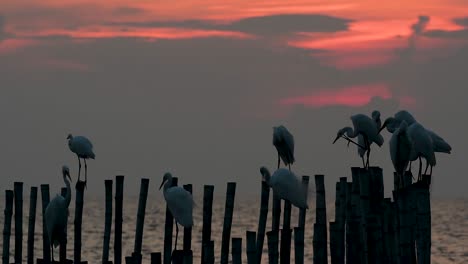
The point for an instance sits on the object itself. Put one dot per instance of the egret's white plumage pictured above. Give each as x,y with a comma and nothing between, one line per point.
83,148
56,214
283,141
361,141
365,126
179,201
422,145
400,149
286,185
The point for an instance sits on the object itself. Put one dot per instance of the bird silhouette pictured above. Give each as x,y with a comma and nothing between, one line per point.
400,150
56,214
283,141
83,148
180,203
286,186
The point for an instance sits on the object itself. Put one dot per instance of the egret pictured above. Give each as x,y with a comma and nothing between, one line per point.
361,141
422,147
56,214
400,150
286,186
83,148
180,203
284,144
365,126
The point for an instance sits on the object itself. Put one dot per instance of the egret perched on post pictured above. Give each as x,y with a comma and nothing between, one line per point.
283,141
83,148
365,126
361,141
56,214
286,185
400,150
180,203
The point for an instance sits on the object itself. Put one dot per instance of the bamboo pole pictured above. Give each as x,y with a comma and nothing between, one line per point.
320,227
402,202
251,247
209,253
388,232
262,219
140,218
364,193
276,213
63,241
299,245
79,201
341,221
396,232
178,257
228,212
236,250
9,195
334,233
273,254
45,239
118,220
18,188
108,222
207,215
156,258
424,221
285,249
32,224
353,236
302,212
188,230
168,228
375,246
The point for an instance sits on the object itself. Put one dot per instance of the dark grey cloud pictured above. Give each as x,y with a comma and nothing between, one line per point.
266,25
462,21
2,28
454,34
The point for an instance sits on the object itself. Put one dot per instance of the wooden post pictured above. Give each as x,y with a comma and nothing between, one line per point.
396,232
177,257
187,230
236,250
207,213
402,200
320,227
63,242
168,228
7,226
45,239
208,258
341,220
299,245
375,245
140,217
18,188
251,247
262,219
276,213
79,201
119,188
353,218
108,222
285,249
228,211
32,224
388,233
334,233
364,186
273,254
156,258
424,221
302,212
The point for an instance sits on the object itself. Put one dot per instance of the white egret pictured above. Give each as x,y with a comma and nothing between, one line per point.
180,203
365,126
361,141
284,144
83,148
56,214
400,150
286,186
422,146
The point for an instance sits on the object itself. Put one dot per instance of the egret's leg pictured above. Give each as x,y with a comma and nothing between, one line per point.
363,162
368,149
278,161
177,234
85,171
289,165
430,172
427,166
420,169
409,166
79,168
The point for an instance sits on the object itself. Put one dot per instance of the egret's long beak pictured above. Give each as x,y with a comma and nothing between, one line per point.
69,177
337,137
162,183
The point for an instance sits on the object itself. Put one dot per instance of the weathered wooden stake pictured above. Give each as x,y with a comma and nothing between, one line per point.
108,222
251,247
275,213
262,219
32,224
355,233
187,230
299,245
236,250
207,213
79,201
140,218
341,220
168,228
156,258
119,188
7,226
228,211
302,212
63,242
209,252
320,227
424,221
351,227
45,239
18,188
402,201
364,186
334,238
285,249
273,254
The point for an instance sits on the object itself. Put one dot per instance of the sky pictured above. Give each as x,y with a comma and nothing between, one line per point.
194,87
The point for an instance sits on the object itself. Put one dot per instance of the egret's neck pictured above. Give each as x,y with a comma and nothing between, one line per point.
168,184
351,133
68,195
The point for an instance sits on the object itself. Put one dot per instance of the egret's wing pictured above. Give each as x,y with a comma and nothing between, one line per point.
288,187
440,145
180,203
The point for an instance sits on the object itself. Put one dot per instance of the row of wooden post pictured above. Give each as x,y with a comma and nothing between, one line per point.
367,227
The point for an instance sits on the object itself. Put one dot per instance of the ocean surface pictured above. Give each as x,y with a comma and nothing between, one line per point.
449,228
